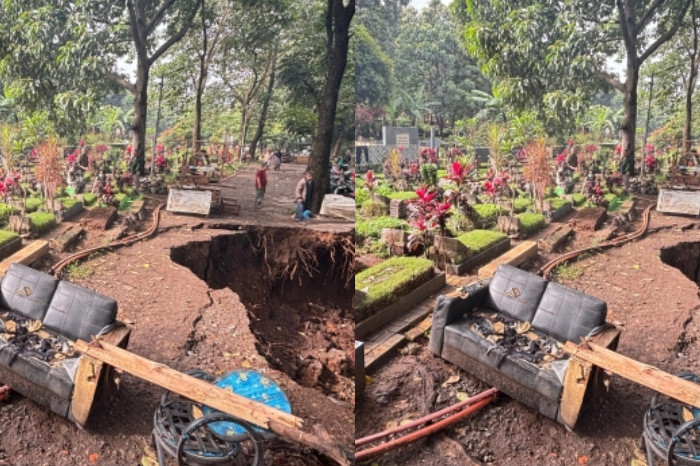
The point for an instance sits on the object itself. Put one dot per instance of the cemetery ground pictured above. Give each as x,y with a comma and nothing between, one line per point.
650,287
220,293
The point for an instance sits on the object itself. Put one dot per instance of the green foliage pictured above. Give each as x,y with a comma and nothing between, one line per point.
373,70
361,196
530,222
69,202
578,199
478,241
6,210
428,172
521,204
403,195
374,209
32,204
487,213
558,203
7,236
40,222
89,199
568,271
79,270
372,228
616,201
382,284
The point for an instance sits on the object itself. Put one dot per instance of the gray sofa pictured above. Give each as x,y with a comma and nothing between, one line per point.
39,363
552,311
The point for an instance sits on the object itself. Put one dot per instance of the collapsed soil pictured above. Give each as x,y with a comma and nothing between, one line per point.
657,307
181,321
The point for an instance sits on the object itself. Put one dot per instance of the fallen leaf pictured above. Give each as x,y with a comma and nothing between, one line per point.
461,396
451,380
405,421
368,380
391,425
246,364
148,461
93,457
583,459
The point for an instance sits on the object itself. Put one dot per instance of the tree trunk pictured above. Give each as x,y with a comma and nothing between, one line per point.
138,137
338,19
197,127
263,111
687,124
629,119
242,130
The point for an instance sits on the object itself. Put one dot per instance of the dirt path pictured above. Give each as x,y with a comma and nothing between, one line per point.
180,320
658,308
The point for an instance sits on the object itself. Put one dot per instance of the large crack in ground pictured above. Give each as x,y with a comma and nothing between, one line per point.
294,284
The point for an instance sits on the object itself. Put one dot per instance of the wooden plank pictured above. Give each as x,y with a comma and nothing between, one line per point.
187,386
65,237
137,208
516,256
27,255
420,329
556,239
378,354
87,378
644,374
189,201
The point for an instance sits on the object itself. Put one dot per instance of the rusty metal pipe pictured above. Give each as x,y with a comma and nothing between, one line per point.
476,398
425,431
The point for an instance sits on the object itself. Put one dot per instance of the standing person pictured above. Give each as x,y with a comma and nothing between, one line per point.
260,184
304,193
276,160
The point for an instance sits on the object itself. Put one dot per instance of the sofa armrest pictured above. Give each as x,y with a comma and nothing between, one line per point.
449,308
583,380
94,376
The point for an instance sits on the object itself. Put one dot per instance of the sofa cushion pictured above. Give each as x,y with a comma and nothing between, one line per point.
79,313
568,314
542,380
27,291
515,292
54,379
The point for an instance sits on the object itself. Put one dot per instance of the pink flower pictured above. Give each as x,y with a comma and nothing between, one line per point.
570,143
424,195
618,149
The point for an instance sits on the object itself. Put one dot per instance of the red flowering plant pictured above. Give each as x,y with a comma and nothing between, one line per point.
161,163
370,182
428,213
73,156
496,184
460,173
428,155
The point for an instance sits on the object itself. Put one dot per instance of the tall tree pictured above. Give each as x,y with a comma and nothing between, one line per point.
552,55
154,28
338,17
374,70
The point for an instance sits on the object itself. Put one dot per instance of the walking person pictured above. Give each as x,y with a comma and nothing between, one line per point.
260,184
304,193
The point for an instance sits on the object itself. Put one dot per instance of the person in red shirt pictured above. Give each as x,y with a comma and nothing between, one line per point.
260,184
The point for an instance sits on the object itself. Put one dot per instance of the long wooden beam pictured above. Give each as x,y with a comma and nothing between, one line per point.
190,387
284,424
644,374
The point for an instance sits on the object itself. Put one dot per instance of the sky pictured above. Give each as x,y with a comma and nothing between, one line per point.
420,4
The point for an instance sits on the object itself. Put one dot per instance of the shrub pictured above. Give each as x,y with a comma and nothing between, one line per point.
69,202
531,222
383,190
558,203
578,199
32,204
374,209
7,236
382,284
6,211
521,204
40,222
372,228
89,199
478,241
403,195
487,213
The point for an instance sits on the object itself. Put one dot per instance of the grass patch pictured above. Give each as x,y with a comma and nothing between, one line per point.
521,204
568,271
89,199
6,211
7,236
487,213
403,195
40,222
578,199
32,204
126,202
558,203
69,202
531,222
379,286
442,173
374,209
372,228
478,241
79,270
617,202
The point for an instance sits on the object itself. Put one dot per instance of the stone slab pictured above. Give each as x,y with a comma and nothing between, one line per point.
671,201
189,201
66,236
556,239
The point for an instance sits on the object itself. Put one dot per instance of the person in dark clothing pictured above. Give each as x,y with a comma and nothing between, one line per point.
304,193
260,184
